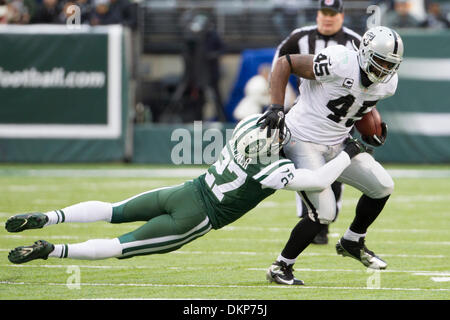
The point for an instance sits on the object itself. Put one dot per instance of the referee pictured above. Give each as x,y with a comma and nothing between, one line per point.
309,40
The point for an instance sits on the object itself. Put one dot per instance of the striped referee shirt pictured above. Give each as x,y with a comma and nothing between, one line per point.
308,40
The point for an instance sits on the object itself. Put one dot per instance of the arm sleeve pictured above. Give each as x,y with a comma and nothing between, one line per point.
277,175
319,179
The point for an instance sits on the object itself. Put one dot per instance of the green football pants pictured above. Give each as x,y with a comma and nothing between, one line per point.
175,216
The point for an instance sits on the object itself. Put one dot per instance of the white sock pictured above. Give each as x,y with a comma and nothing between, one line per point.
89,211
353,236
58,251
288,261
95,249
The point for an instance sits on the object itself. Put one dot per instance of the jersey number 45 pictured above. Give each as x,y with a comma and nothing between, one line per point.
340,107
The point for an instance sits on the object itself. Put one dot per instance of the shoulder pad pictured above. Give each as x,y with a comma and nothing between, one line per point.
339,63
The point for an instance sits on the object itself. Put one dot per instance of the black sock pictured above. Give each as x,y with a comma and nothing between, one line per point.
337,190
367,210
301,236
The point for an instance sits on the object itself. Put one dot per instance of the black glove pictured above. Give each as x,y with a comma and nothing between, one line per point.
354,147
273,119
375,140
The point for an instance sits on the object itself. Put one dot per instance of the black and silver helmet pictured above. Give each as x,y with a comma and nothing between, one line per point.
380,43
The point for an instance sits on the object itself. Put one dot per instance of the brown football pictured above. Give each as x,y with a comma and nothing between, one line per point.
370,124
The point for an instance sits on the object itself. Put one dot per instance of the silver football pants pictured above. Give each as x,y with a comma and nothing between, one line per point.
364,173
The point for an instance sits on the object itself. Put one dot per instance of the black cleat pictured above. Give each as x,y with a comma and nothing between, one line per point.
21,222
359,251
281,273
322,236
39,250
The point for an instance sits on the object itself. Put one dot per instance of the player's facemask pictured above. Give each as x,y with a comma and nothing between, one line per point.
379,69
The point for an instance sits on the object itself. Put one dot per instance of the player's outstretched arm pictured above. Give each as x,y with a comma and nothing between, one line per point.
319,179
323,177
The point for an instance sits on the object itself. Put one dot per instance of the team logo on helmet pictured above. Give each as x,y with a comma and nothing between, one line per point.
255,147
368,37
380,54
250,141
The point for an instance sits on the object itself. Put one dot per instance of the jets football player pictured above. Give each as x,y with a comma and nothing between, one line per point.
340,85
247,171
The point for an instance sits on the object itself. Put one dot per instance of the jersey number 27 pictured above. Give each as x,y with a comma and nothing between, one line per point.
225,163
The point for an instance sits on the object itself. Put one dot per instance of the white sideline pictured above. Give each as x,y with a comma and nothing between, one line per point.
220,286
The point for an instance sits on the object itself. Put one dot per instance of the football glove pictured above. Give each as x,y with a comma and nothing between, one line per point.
273,119
375,140
354,147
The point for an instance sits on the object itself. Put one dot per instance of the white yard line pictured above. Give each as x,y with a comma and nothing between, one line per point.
16,236
361,270
89,284
440,279
253,253
337,235
242,240
288,229
180,172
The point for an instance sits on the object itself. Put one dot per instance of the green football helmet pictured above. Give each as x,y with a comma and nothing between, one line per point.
251,141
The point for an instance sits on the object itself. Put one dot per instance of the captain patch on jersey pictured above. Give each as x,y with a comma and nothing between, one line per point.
330,105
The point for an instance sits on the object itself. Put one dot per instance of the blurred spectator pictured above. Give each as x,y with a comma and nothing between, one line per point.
256,94
435,18
112,12
202,49
127,12
47,12
286,14
86,7
16,11
401,16
3,12
418,9
101,13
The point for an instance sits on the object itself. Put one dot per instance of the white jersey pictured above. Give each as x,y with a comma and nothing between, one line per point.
329,106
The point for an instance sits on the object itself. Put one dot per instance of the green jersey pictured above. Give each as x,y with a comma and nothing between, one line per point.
233,185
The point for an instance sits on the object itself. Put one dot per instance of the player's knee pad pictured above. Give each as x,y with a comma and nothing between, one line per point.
322,220
324,210
325,221
385,188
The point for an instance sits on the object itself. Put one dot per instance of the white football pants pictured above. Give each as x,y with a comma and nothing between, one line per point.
364,174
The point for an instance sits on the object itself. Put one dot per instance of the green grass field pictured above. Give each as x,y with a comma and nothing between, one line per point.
412,235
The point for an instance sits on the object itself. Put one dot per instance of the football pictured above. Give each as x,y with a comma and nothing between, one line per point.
370,124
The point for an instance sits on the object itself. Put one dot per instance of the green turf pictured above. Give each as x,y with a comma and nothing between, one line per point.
412,235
